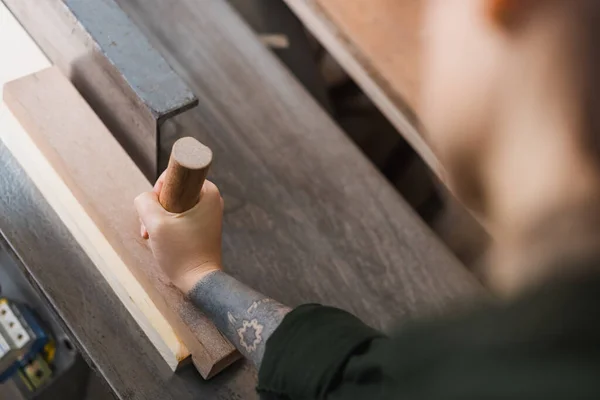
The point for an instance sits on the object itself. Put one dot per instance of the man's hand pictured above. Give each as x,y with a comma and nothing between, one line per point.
187,246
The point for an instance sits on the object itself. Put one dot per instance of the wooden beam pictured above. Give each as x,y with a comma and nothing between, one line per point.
91,182
377,43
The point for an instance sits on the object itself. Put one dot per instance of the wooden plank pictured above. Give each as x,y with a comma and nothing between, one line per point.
93,181
377,43
124,284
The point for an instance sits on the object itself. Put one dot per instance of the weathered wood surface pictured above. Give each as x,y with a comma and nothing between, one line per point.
308,218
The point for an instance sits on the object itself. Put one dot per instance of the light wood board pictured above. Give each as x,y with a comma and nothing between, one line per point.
73,215
91,182
377,42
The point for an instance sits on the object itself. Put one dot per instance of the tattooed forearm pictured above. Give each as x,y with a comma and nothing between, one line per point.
246,317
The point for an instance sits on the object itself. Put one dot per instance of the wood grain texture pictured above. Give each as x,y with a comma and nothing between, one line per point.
307,217
185,175
100,176
377,42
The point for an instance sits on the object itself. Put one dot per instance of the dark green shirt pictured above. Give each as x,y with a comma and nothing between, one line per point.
544,345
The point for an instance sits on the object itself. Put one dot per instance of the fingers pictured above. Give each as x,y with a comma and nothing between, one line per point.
210,192
156,189
150,211
208,187
159,182
210,201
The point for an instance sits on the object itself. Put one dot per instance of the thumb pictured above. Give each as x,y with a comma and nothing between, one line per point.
149,209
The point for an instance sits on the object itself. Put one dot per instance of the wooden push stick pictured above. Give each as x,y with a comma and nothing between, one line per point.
187,169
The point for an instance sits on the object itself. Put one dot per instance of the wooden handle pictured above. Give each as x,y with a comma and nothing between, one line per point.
187,169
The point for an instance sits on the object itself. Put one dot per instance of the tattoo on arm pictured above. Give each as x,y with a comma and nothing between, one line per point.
246,317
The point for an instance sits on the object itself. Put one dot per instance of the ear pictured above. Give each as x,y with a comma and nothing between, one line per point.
506,13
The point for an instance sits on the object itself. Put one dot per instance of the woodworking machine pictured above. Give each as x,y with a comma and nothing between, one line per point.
35,352
26,348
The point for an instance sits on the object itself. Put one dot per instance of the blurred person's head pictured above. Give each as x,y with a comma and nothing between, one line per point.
510,104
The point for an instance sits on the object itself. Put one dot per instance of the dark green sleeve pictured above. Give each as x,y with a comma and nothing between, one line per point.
306,356
543,345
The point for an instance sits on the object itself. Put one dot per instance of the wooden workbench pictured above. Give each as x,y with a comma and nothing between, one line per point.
307,219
